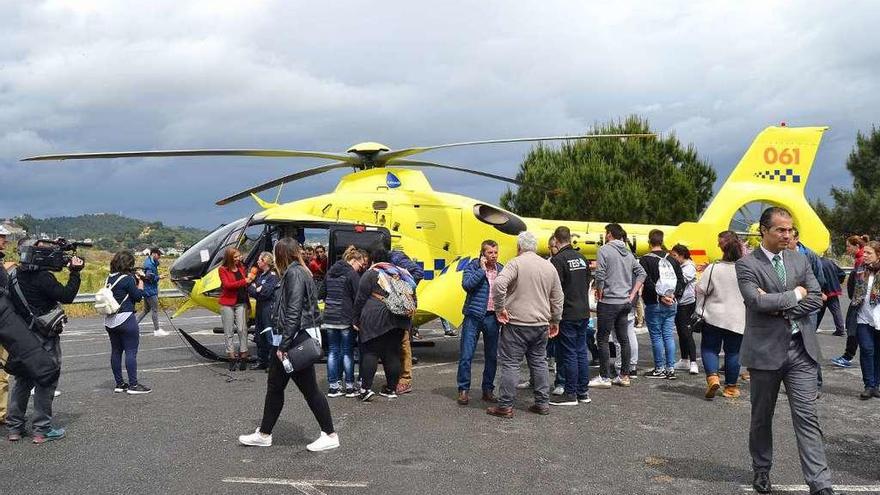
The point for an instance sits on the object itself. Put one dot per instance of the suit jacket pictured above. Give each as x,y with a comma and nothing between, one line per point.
768,316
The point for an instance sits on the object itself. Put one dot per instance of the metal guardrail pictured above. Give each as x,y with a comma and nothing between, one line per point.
164,293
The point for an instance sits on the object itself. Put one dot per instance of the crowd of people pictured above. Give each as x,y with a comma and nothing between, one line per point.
531,308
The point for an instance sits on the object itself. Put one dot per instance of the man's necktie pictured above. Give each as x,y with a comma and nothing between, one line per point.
780,272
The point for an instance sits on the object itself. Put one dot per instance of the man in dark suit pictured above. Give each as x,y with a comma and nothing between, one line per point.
780,346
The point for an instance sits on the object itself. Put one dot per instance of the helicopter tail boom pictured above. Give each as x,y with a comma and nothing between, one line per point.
773,171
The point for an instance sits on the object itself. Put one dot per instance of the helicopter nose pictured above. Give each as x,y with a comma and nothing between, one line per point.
184,285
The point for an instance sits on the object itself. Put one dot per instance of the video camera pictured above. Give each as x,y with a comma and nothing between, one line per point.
54,256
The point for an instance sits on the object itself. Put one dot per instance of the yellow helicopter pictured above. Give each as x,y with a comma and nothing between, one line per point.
384,202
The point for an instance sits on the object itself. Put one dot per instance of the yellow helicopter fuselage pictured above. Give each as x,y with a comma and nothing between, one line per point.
444,231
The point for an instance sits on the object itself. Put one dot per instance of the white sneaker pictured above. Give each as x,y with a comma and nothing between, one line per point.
324,442
694,369
600,382
161,333
523,385
256,439
559,390
681,364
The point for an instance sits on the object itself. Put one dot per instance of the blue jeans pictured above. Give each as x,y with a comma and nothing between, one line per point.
572,342
661,327
710,347
124,338
470,334
340,358
869,354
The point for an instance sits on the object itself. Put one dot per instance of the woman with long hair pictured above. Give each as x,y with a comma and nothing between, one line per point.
720,303
865,299
296,312
234,304
686,306
262,289
341,285
855,247
122,326
379,330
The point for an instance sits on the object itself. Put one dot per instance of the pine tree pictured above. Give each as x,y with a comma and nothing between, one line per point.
634,180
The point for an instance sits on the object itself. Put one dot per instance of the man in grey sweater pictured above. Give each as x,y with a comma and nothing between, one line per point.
618,276
528,303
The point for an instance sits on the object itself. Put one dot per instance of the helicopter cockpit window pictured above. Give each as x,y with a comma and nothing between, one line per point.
253,242
194,263
231,240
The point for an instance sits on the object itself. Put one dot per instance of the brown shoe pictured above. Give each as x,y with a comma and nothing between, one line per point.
542,410
488,396
731,391
714,383
501,412
463,398
403,388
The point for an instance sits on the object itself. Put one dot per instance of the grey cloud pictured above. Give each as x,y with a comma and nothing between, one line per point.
93,76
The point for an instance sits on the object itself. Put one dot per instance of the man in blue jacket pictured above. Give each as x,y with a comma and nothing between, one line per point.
151,290
479,317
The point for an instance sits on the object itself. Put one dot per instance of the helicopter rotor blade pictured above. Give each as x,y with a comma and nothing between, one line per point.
419,163
350,159
401,153
283,180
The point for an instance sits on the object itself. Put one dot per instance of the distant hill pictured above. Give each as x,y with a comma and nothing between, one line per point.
112,232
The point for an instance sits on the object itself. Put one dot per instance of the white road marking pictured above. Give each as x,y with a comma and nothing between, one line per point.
304,486
424,366
805,488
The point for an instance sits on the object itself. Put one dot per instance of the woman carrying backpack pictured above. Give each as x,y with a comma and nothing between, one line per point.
122,326
379,329
296,311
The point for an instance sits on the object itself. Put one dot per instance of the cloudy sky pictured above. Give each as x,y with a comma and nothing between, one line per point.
90,75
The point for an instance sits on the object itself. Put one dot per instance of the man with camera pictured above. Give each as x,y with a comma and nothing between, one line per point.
37,296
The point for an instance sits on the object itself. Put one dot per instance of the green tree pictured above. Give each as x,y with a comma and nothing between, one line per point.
637,180
856,210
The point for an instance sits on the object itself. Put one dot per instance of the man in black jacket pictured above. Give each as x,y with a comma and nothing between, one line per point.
574,275
42,292
663,287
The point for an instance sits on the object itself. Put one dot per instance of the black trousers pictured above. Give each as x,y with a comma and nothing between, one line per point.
685,337
613,318
386,347
307,384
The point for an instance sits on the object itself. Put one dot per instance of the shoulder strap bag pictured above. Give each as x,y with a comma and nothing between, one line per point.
306,350
698,321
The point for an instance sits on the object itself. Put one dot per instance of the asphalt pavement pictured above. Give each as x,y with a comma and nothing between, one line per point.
656,437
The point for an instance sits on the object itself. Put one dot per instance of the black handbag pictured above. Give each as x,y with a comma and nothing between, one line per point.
698,321
306,350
